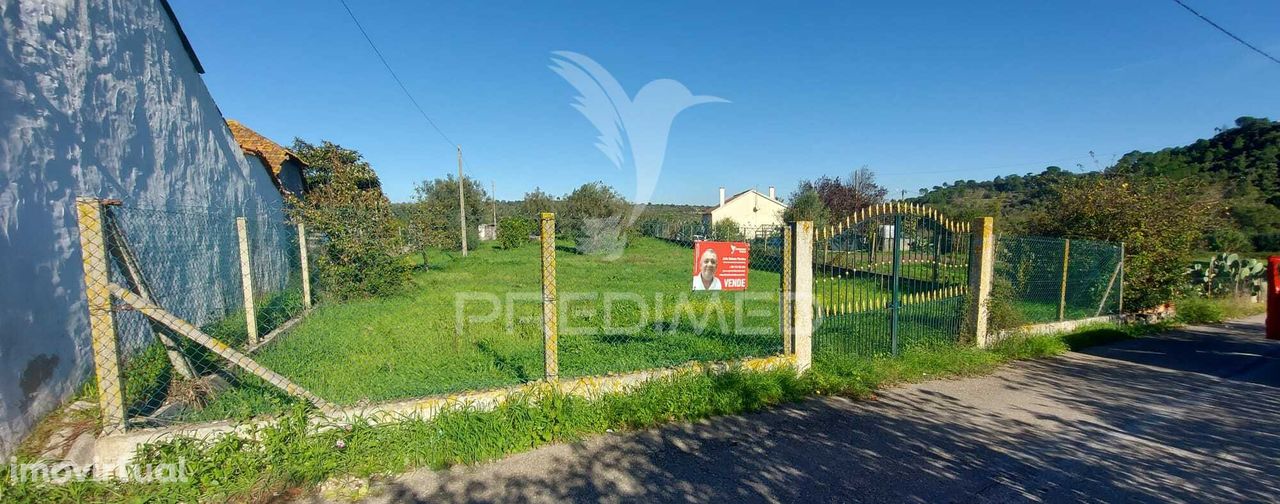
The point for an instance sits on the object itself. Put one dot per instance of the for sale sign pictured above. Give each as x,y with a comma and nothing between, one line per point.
720,265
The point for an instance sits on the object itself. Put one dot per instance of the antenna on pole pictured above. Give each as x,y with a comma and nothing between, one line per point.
462,205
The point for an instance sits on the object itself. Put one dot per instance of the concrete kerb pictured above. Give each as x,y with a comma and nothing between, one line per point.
123,446
1054,327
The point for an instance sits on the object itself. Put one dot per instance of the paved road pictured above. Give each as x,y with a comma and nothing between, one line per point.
1192,415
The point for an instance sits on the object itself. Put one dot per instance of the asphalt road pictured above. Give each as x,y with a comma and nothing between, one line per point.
1192,415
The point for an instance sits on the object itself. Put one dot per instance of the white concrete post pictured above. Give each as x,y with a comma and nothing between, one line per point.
802,293
306,268
246,281
982,257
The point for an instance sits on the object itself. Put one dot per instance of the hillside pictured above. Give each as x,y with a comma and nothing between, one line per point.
1242,161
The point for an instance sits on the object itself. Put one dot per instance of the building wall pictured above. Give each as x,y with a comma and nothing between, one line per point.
749,211
100,99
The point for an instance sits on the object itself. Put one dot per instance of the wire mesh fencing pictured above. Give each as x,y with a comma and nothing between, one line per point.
1039,280
191,294
639,310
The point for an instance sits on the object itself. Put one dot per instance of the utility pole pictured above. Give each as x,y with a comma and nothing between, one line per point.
462,205
493,193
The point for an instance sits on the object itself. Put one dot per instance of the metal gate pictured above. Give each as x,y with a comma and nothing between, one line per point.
889,277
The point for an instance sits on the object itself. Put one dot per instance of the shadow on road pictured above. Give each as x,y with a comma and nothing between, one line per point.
1236,351
1068,429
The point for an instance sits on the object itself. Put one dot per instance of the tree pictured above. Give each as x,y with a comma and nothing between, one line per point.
593,200
843,197
1158,219
536,202
806,205
344,202
325,160
436,214
514,232
863,191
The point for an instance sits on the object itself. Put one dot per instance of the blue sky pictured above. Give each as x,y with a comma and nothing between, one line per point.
920,93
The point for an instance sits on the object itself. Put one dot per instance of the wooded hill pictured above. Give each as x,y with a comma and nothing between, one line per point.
1242,162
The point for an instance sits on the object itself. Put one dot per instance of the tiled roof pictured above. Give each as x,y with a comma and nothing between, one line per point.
271,153
743,193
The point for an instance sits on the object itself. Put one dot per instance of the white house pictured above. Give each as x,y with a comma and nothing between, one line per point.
751,209
99,99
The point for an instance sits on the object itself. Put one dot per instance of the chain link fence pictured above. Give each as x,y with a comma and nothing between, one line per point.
637,310
1039,280
211,315
204,314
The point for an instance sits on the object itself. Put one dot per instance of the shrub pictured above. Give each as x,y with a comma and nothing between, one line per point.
1002,308
726,230
513,232
1228,240
1199,311
1268,242
600,236
359,253
1159,220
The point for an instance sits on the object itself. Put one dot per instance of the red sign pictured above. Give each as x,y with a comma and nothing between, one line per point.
720,265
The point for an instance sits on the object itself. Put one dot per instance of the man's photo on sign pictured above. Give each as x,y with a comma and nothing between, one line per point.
720,266
706,278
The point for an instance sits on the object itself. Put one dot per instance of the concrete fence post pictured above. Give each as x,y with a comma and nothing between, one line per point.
1062,293
102,322
306,267
550,310
802,293
982,256
246,281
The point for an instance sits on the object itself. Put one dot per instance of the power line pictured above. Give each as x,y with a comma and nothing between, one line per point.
396,77
1228,33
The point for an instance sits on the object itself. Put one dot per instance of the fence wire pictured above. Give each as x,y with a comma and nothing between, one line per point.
181,321
1040,280
637,310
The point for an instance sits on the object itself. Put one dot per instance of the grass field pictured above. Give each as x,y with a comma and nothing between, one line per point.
636,312
633,313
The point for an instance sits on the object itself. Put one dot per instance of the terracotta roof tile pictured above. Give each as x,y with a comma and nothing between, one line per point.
252,143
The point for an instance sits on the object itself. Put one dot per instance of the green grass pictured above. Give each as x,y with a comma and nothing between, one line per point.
291,455
409,345
1215,310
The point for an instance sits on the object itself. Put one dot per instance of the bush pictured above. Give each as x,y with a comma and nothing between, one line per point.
603,236
726,230
359,253
1228,240
1267,242
1199,311
1159,220
513,232
1002,307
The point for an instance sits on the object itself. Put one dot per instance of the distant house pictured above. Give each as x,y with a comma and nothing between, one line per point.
284,167
105,99
488,232
750,209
